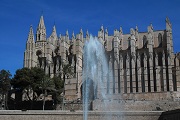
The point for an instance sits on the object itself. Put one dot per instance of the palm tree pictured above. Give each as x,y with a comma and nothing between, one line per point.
47,85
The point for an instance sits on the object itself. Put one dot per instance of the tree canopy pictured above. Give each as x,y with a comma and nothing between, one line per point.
26,77
32,83
5,86
21,79
5,81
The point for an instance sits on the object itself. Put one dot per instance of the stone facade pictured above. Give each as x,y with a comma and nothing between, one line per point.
141,62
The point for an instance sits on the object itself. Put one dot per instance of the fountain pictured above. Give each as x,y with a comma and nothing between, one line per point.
100,100
96,76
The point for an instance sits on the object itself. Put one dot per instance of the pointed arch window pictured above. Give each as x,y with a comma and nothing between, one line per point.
159,40
145,41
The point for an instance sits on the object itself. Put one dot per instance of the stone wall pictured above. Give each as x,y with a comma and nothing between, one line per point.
70,106
66,115
135,105
164,101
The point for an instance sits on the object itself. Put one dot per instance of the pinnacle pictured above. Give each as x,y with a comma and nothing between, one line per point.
41,22
31,35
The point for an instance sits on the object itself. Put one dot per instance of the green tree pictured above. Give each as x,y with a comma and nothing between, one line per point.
67,71
22,79
36,80
5,86
27,79
37,76
47,85
59,85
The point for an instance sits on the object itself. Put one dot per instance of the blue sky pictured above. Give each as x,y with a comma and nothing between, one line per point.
16,16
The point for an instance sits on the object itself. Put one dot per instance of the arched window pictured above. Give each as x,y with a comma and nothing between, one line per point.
38,53
144,41
159,40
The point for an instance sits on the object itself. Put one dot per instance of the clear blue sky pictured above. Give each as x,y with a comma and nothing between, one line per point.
16,16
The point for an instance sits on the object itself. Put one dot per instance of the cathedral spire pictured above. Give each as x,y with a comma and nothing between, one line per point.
73,36
81,31
67,33
41,23
31,35
121,31
106,31
137,33
150,28
102,28
136,29
41,30
67,36
168,24
87,34
54,34
60,36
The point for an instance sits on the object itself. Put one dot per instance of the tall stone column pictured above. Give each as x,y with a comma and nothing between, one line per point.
121,74
116,62
133,64
128,73
79,62
170,73
151,72
133,60
110,76
176,73
158,82
170,52
63,50
164,71
121,61
116,67
150,49
139,73
145,73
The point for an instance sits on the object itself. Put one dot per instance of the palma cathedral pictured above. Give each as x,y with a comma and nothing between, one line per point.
144,65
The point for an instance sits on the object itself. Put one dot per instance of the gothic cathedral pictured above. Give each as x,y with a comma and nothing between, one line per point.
142,62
